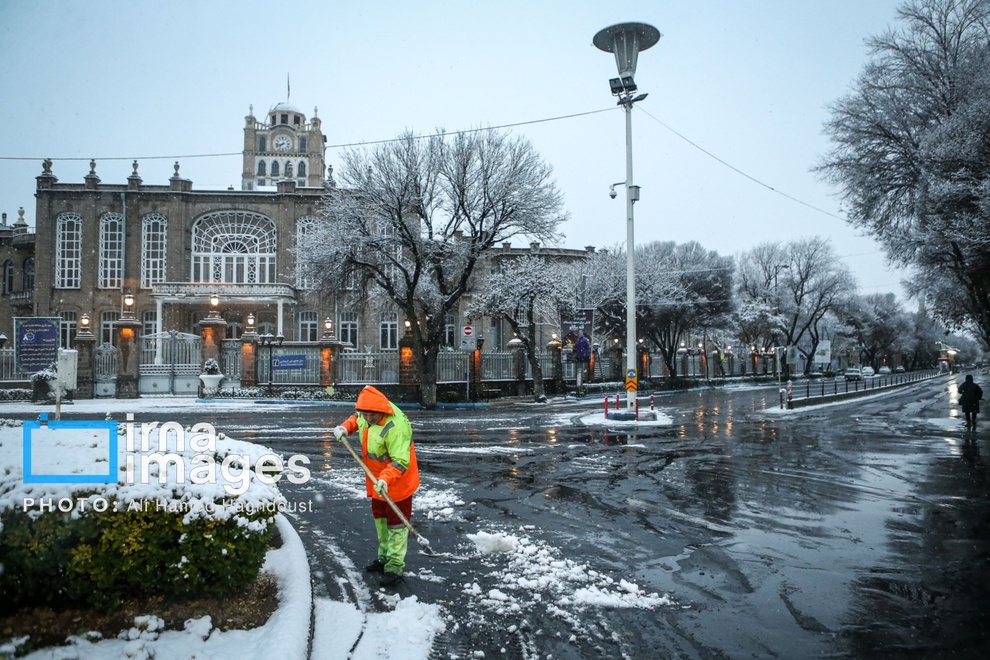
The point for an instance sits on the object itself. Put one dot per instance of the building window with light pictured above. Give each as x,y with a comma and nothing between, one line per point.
111,263
388,331
67,329
347,329
236,247
68,251
107,319
154,237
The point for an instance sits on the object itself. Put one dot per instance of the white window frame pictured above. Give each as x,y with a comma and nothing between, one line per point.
154,249
111,260
388,331
348,327
304,226
234,247
68,251
107,320
309,326
67,328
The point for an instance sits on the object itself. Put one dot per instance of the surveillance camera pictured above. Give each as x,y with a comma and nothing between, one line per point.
612,193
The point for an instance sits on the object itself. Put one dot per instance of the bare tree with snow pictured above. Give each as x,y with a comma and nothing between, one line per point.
911,153
529,292
411,220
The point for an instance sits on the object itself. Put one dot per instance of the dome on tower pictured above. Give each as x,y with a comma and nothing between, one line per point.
286,114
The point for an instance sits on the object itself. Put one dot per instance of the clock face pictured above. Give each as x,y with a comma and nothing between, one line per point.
282,143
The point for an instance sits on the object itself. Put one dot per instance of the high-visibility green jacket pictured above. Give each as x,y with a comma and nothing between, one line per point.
387,447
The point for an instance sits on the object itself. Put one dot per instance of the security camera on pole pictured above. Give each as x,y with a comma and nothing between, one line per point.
625,40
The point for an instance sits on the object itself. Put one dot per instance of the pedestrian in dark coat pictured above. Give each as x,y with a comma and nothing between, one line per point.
969,400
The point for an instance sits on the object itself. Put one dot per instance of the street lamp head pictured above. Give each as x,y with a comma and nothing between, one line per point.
625,40
84,321
279,339
250,321
128,300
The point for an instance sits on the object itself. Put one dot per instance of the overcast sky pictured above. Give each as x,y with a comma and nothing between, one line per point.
748,82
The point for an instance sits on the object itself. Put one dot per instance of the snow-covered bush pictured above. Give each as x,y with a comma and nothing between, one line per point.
95,546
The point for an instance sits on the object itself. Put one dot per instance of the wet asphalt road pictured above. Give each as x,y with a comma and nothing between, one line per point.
859,530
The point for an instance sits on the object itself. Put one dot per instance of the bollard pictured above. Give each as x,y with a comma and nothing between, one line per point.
790,391
636,409
606,407
651,403
617,402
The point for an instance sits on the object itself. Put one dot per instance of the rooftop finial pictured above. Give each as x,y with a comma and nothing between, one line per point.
134,173
176,168
92,166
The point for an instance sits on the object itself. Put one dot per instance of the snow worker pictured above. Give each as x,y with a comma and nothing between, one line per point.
969,400
389,453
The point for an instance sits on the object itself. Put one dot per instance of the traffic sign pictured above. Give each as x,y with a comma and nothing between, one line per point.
632,383
468,340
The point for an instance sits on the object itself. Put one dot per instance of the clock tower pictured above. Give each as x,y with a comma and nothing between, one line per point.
285,146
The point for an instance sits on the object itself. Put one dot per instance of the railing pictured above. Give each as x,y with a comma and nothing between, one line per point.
367,368
825,388
308,374
8,368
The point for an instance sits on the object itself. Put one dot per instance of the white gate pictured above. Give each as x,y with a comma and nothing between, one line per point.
104,371
170,363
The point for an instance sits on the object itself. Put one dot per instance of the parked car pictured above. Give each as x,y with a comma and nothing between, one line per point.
853,373
899,369
868,372
884,370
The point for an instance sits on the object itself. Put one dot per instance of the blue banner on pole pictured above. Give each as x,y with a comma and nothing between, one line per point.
288,362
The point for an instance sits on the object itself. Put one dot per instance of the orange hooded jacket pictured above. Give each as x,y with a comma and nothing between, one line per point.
388,447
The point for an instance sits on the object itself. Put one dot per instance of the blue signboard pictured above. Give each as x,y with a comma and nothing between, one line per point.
35,342
288,362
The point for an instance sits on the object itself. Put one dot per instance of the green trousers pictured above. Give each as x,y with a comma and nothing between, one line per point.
392,545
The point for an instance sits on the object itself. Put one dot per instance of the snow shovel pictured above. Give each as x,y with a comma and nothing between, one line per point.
422,540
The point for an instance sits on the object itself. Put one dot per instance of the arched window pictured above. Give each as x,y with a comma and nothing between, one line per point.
302,168
68,251
274,168
8,277
154,237
261,168
234,246
27,282
304,225
111,265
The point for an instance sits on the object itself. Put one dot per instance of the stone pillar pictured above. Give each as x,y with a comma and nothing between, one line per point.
328,350
249,358
84,343
126,330
407,365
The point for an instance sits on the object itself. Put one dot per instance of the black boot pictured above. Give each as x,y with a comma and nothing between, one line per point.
391,579
375,567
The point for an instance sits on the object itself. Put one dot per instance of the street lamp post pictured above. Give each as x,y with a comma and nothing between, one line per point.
625,40
270,341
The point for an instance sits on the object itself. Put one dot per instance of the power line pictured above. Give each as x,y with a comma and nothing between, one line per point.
329,146
739,171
